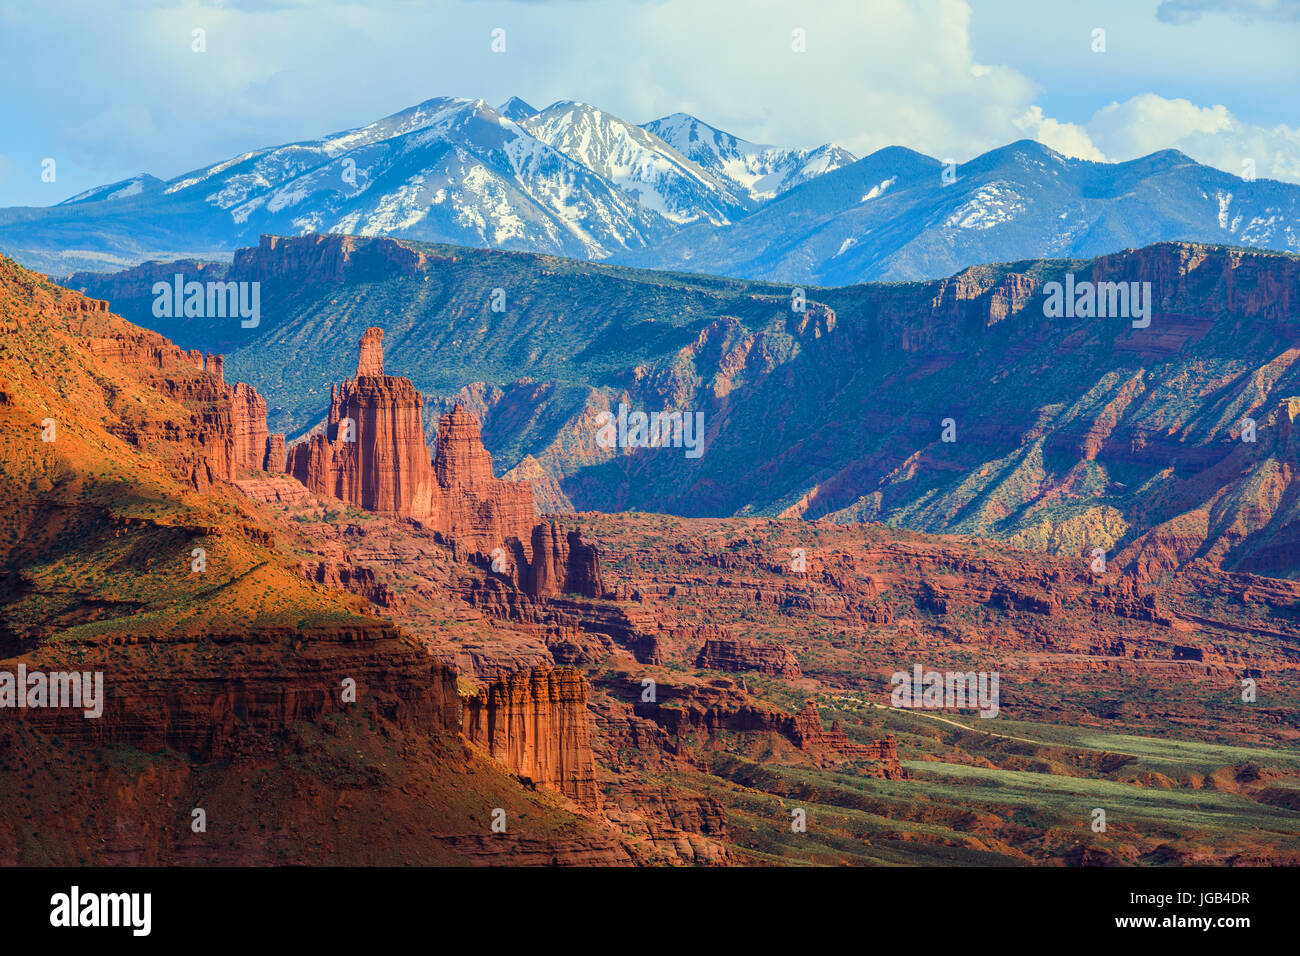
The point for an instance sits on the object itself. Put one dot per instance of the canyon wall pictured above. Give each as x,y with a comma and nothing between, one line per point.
197,694
536,723
226,430
730,655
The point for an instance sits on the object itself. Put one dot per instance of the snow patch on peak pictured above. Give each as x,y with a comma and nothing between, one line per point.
878,190
992,205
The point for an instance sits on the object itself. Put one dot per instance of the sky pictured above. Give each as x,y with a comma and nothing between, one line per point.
109,89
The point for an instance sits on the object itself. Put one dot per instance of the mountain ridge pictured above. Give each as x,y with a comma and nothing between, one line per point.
833,412
672,193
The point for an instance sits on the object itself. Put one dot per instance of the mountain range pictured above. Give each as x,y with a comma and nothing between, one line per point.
674,193
1069,434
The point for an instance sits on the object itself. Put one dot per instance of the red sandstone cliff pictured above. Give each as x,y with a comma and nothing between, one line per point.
371,453
226,430
470,504
728,655
330,258
536,723
248,417
561,564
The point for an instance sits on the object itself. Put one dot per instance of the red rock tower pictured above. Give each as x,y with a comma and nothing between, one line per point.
372,453
470,504
371,361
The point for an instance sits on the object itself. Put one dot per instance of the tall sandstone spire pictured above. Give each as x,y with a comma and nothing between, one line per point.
371,361
372,454
471,505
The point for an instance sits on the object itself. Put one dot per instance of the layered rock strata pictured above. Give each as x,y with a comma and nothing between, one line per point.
727,655
536,723
226,431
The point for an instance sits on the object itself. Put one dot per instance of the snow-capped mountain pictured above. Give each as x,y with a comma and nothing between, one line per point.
899,215
120,190
676,193
447,170
762,172
516,109
451,170
638,162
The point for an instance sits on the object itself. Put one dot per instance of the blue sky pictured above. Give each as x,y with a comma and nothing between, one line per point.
112,88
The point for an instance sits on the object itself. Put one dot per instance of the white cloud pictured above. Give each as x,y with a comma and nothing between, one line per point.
1068,139
876,73
1148,123
1208,134
112,136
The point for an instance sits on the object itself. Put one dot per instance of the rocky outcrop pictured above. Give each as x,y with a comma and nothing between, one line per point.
248,419
226,429
346,576
327,258
730,655
687,710
371,361
371,453
805,729
273,461
679,827
470,504
276,489
197,694
536,723
561,564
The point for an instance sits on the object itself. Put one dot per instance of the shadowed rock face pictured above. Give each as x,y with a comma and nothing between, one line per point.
274,460
226,430
733,655
562,564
